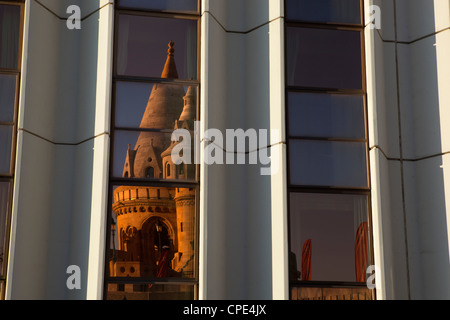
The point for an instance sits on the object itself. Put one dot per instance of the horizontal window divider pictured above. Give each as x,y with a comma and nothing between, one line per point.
328,189
6,177
156,13
324,25
11,124
154,182
356,92
143,280
144,129
362,140
184,82
14,72
327,284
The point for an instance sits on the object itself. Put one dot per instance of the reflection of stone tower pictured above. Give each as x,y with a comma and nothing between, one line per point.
156,225
184,197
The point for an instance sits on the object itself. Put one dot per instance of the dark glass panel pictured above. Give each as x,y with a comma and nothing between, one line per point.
337,11
136,151
324,58
185,6
331,223
7,97
142,46
154,106
326,115
6,137
132,291
9,36
4,205
153,232
328,163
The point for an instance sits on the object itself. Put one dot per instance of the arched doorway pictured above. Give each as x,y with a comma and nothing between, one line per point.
158,247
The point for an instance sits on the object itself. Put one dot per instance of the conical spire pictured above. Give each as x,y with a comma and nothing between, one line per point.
164,107
189,109
170,69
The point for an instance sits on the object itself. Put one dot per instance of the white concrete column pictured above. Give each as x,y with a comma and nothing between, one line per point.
62,161
243,251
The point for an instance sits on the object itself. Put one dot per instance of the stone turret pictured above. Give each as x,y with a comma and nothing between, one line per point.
164,107
157,222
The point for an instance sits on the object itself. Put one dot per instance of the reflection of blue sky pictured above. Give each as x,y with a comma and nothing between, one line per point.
143,43
189,6
326,115
324,58
131,100
347,11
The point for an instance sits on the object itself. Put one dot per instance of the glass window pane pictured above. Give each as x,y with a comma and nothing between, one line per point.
4,206
329,237
154,106
7,97
324,58
326,115
143,45
9,36
341,11
145,155
132,291
153,232
185,6
6,135
328,163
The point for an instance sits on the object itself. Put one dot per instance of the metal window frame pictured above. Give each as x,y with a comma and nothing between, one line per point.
116,181
11,176
329,189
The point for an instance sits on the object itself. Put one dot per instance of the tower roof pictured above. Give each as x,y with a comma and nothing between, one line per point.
164,107
170,69
189,109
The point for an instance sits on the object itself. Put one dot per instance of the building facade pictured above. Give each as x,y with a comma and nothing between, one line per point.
348,99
